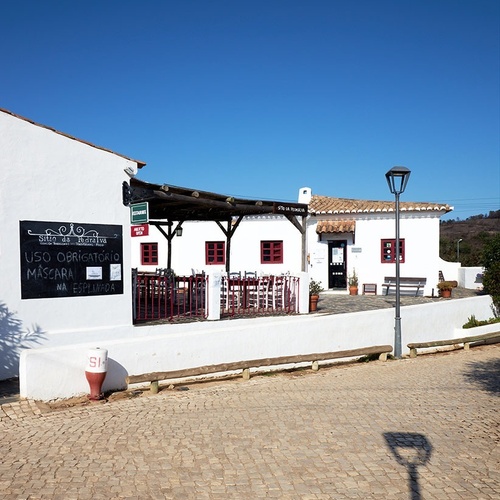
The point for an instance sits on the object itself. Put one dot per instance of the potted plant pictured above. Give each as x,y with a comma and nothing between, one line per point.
445,288
315,289
353,283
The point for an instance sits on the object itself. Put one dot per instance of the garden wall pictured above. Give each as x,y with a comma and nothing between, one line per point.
58,372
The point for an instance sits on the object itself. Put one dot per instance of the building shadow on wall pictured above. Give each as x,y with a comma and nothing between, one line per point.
485,374
13,338
411,450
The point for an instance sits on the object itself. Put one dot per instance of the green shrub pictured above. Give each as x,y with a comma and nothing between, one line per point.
491,275
472,322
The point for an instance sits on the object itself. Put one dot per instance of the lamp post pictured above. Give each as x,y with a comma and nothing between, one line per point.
397,178
458,249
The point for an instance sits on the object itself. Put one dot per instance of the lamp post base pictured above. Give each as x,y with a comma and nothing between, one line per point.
397,338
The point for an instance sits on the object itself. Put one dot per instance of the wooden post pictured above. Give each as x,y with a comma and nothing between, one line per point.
154,387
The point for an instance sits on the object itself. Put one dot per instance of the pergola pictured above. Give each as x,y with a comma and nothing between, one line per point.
174,205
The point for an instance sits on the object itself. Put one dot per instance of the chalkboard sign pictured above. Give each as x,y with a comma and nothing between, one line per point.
67,259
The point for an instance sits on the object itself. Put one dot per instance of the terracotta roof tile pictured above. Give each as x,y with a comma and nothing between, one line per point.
335,226
327,205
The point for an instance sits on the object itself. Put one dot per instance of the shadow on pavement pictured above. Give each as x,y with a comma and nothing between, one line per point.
411,450
485,374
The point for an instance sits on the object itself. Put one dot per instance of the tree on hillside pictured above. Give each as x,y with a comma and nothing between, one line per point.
470,236
491,276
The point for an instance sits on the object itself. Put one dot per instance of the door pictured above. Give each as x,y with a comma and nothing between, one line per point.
337,268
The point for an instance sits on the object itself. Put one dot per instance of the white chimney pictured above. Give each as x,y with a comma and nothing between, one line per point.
305,195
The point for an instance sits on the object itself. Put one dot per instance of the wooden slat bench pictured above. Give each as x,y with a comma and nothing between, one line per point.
154,378
409,283
466,341
369,289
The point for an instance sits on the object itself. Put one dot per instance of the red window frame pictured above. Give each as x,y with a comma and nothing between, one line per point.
388,251
215,253
271,252
149,254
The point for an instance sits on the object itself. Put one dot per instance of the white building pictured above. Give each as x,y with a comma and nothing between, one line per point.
65,245
346,235
342,236
66,253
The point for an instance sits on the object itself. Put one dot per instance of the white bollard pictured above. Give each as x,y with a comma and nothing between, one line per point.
95,371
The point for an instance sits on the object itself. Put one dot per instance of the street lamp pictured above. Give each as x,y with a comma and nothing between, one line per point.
397,178
458,249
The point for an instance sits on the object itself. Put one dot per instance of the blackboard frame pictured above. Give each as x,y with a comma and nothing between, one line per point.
69,259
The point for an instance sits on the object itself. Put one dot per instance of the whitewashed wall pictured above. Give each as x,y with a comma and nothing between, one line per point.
420,231
471,277
450,270
46,176
188,251
58,372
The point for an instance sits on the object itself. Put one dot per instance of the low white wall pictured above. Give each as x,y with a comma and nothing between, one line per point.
477,330
471,277
58,372
449,269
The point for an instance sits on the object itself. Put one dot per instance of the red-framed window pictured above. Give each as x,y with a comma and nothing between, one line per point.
271,252
215,253
149,254
388,251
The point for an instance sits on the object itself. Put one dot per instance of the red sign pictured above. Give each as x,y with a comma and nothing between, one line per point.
141,230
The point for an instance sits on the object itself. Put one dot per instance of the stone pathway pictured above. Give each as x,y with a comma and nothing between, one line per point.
424,428
338,303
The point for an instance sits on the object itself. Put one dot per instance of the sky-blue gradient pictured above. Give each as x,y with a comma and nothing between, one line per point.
259,98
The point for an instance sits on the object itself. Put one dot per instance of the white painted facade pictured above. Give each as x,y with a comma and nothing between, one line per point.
188,251
419,228
421,234
48,176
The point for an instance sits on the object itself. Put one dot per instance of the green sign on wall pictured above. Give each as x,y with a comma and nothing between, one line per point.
139,213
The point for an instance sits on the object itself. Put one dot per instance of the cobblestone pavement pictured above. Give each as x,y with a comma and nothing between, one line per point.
424,428
335,303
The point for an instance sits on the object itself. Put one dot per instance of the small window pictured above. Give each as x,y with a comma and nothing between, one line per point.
271,252
388,251
215,252
149,254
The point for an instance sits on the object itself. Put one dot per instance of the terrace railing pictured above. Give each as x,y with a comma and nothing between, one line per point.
163,296
259,296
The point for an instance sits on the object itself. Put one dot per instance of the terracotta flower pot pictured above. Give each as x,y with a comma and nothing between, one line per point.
313,303
353,290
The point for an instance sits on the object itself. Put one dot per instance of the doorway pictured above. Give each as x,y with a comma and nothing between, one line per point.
337,268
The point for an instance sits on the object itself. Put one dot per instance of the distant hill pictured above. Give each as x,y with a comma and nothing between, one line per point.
474,232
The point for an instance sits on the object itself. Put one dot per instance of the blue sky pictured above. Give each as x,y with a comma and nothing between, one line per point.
259,98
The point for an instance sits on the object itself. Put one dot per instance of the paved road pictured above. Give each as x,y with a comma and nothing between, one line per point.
425,428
